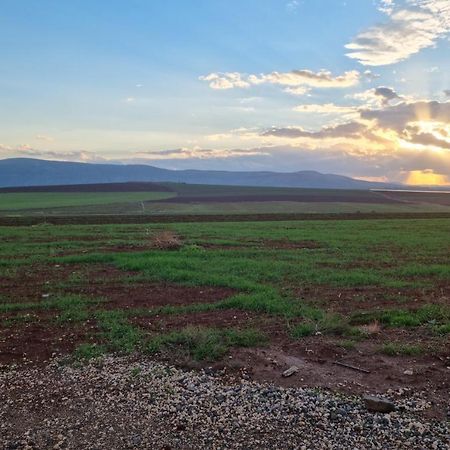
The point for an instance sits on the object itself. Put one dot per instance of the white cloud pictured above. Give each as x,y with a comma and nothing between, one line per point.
43,137
327,108
292,6
410,28
297,82
227,80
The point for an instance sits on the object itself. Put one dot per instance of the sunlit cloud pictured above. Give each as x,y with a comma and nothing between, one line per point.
415,25
327,109
427,177
301,80
28,151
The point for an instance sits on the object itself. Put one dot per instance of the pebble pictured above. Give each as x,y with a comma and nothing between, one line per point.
107,407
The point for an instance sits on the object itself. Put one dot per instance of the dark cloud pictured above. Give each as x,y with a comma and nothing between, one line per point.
398,116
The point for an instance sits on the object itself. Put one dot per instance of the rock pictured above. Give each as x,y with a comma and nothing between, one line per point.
408,372
289,372
378,404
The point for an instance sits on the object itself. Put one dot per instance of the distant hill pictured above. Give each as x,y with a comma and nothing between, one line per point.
35,172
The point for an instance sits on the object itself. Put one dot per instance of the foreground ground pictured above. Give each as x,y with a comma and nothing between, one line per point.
358,306
121,403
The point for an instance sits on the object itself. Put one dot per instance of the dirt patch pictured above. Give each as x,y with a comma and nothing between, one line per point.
37,342
150,295
288,245
228,318
348,300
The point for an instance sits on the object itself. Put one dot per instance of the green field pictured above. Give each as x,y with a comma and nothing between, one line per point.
323,281
185,199
48,200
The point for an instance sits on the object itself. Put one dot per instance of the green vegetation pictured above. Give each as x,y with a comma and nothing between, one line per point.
206,343
297,274
88,351
401,318
45,200
399,349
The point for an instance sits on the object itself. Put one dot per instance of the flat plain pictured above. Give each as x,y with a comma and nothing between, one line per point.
358,306
373,294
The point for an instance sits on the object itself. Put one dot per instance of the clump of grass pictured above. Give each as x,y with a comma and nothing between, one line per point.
303,330
399,349
348,344
441,329
119,335
73,309
167,240
370,328
206,343
85,352
402,318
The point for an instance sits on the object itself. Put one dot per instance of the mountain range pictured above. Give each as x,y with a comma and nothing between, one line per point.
36,172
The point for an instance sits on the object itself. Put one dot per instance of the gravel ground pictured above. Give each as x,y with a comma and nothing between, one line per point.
120,403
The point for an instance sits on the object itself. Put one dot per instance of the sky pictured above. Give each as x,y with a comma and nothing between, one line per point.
354,87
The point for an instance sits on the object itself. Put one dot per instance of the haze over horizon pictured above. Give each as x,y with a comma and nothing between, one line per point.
358,88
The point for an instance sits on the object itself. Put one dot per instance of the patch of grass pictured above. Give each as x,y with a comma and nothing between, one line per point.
73,309
400,349
402,318
348,344
441,329
303,329
85,352
119,334
206,343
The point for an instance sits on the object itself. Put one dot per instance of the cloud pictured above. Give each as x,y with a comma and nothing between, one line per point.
297,80
380,96
427,177
292,6
407,31
398,116
350,129
227,80
27,151
327,109
42,137
196,153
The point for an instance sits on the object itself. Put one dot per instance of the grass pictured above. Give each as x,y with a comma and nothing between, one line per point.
400,349
44,200
85,352
205,344
427,314
391,256
120,335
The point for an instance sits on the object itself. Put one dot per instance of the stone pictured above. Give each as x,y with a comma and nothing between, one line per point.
408,372
289,372
378,404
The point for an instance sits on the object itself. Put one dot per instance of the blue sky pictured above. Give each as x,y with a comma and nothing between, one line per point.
240,85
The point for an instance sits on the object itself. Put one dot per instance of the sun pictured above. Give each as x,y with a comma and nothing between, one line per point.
427,178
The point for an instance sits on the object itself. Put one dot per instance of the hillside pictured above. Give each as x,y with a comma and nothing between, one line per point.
35,172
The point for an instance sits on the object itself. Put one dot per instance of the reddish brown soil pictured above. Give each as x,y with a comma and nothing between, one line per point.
151,295
228,318
39,341
348,300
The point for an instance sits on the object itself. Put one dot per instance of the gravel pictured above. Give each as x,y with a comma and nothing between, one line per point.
121,403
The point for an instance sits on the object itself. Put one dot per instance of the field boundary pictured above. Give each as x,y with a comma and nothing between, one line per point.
138,219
